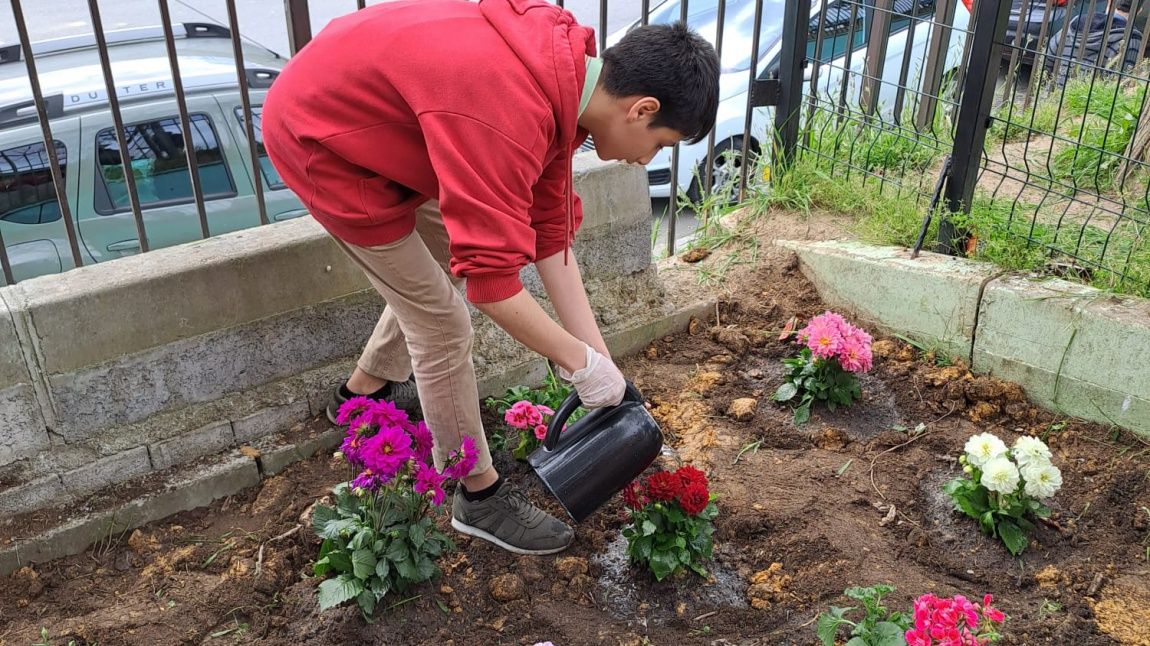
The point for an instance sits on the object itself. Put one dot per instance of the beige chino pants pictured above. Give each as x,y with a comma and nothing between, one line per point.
425,329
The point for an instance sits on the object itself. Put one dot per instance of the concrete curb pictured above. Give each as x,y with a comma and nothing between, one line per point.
1057,339
191,487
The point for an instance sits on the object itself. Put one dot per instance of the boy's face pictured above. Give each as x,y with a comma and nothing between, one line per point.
627,134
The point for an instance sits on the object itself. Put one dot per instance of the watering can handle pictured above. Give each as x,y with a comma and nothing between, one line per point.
555,427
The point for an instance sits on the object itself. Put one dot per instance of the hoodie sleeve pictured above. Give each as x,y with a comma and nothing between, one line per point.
549,208
486,185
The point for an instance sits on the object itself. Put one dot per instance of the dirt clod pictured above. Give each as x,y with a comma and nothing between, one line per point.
732,339
528,568
570,566
698,254
143,543
831,439
507,587
27,583
767,586
743,408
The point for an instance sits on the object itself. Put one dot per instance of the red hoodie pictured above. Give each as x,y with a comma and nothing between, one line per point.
475,105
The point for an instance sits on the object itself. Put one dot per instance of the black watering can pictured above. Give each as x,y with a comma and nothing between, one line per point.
598,455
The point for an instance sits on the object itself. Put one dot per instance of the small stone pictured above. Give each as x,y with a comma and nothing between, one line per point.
652,351
743,409
831,439
570,566
681,609
507,587
446,589
250,452
123,561
732,339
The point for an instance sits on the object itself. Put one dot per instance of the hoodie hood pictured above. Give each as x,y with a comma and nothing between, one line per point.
553,49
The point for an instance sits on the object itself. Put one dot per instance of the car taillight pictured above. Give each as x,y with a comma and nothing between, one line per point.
969,5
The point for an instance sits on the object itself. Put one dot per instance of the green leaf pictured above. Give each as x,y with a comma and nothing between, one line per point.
397,551
382,568
341,589
828,626
336,528
886,633
408,570
340,560
663,564
362,563
427,569
366,600
321,516
418,535
1013,536
802,414
786,392
857,641
321,567
986,521
648,528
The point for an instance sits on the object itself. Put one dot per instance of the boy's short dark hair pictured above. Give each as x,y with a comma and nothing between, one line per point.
1123,5
673,64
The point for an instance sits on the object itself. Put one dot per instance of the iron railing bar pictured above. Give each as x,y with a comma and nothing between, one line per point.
185,120
1039,59
1062,33
58,179
246,103
673,205
118,121
753,74
1125,44
933,72
644,11
602,26
820,39
904,71
851,26
709,165
876,50
1087,5
1019,36
360,4
298,16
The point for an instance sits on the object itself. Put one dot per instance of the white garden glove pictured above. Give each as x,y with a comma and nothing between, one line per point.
599,384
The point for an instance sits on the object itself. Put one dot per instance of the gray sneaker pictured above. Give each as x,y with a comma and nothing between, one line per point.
401,393
509,520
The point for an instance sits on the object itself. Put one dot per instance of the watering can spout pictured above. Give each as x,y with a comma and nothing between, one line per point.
584,466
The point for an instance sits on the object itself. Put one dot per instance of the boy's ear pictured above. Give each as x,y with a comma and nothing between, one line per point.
644,109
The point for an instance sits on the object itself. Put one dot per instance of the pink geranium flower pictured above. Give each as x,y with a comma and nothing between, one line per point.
541,432
522,415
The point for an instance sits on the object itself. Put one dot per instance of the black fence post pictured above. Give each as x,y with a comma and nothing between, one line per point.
796,18
990,20
299,24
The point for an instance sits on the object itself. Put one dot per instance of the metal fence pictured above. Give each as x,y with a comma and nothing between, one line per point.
984,107
1020,124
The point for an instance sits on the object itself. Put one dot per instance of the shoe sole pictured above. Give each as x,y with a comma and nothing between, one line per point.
479,533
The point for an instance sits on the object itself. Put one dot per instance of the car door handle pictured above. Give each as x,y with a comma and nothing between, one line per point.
125,245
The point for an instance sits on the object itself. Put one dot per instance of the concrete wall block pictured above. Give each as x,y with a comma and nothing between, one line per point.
46,491
13,368
107,471
180,288
189,446
613,194
270,420
1067,395
134,387
625,250
933,297
22,431
1068,329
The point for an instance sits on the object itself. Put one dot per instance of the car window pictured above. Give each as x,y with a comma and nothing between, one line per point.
271,177
160,165
27,195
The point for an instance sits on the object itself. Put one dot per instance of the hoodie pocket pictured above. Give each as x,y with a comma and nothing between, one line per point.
384,200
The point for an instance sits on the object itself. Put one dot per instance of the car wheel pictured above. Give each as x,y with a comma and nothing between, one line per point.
728,169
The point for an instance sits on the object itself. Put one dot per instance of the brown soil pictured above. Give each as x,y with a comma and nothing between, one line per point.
804,513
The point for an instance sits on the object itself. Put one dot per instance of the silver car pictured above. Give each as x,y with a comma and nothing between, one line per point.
71,77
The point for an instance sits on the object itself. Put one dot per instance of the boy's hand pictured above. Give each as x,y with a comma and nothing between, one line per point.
599,383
